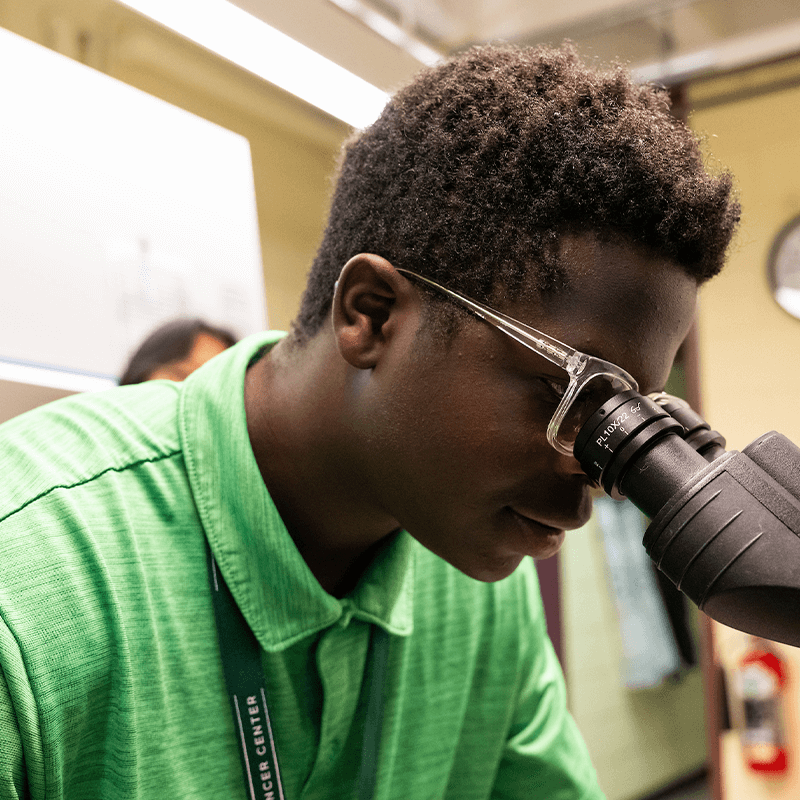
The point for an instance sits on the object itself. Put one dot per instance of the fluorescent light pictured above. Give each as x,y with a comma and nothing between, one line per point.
53,378
250,43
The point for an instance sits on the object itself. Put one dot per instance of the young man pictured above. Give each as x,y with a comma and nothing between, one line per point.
370,485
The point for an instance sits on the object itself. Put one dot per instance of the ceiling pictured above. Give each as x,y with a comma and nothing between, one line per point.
663,39
639,30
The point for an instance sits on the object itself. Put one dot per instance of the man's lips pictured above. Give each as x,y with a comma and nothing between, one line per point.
577,517
531,522
536,539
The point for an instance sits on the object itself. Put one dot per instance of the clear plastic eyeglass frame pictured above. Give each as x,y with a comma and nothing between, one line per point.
580,367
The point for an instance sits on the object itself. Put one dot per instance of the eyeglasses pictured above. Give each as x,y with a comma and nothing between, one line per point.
592,381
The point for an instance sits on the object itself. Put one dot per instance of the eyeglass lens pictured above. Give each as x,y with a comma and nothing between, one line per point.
590,397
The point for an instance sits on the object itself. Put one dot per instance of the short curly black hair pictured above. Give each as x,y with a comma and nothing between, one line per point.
474,172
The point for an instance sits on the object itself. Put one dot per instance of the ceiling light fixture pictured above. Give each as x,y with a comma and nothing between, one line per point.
248,42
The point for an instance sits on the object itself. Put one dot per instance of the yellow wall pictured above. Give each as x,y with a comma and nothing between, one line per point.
749,347
294,146
639,740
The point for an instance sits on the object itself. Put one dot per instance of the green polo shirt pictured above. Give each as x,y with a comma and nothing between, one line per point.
111,682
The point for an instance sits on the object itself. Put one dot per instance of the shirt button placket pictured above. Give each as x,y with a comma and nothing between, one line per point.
341,657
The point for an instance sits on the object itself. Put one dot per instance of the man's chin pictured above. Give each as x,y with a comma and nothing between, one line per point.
555,546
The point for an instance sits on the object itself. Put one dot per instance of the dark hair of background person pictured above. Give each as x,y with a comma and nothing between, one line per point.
475,171
168,344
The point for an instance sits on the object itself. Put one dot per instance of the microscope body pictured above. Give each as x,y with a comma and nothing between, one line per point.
730,540
725,526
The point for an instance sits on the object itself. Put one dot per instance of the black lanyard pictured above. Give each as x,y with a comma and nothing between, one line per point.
244,678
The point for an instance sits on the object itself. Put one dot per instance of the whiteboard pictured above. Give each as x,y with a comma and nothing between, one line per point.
118,212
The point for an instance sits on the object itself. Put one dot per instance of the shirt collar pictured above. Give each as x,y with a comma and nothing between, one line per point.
277,593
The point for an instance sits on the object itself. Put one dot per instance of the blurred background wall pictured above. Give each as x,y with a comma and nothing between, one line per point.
749,346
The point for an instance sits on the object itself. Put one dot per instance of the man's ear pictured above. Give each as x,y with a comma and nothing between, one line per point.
369,296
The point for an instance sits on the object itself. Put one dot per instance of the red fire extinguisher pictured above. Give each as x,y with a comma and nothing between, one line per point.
761,683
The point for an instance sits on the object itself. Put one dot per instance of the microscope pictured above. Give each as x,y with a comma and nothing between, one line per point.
725,525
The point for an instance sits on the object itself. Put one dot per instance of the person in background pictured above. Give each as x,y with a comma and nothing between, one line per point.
175,350
371,488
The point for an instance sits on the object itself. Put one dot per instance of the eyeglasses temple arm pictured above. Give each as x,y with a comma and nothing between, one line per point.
554,351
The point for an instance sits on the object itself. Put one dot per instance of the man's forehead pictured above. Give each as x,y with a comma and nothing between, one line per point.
622,304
